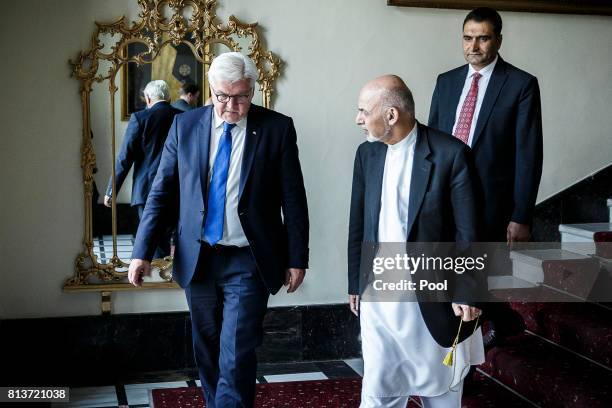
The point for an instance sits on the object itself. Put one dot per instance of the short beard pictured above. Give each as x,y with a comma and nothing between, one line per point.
387,135
384,138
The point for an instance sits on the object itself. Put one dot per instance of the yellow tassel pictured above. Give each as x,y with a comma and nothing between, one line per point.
448,360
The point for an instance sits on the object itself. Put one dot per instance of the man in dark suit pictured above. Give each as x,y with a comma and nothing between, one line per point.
235,167
494,107
411,183
141,147
188,97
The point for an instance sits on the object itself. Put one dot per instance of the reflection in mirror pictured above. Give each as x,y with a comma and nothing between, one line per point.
104,246
178,66
126,216
138,150
164,43
100,126
174,64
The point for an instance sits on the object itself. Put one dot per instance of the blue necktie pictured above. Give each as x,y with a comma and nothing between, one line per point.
213,227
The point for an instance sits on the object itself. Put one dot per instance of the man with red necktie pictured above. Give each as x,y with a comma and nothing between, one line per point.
494,108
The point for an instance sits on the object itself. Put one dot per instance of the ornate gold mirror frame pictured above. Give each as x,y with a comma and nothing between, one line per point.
162,22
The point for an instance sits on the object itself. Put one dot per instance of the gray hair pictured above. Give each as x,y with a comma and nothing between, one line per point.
157,90
232,67
398,97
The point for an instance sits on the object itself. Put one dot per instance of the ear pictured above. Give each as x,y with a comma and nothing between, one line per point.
392,115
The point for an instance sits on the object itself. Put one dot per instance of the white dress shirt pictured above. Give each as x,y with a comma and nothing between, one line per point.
483,82
233,234
393,220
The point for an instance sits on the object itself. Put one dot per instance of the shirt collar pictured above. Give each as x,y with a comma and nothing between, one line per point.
486,71
409,140
218,121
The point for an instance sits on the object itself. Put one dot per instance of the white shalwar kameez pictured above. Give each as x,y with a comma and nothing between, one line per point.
401,358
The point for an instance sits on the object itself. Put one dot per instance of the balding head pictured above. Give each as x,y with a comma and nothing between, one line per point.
393,93
386,109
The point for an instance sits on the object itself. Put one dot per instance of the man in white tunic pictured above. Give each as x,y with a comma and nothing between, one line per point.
411,183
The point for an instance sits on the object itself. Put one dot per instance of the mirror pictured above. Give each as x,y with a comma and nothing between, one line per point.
176,40
175,64
101,216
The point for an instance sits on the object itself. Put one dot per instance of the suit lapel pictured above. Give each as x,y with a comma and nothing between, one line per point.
251,141
376,179
421,169
455,96
203,139
498,78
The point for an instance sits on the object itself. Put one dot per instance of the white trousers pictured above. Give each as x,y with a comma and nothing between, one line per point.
449,399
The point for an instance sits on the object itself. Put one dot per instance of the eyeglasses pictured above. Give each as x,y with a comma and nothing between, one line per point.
224,98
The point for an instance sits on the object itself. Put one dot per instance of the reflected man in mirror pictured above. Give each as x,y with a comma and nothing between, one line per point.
235,167
414,184
494,108
188,97
141,147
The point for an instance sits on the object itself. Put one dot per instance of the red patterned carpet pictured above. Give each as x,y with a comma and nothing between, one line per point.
342,393
334,393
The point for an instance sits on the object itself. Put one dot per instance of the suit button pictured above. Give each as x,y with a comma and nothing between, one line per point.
241,213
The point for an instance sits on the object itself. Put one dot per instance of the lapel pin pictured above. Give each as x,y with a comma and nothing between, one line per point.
254,132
